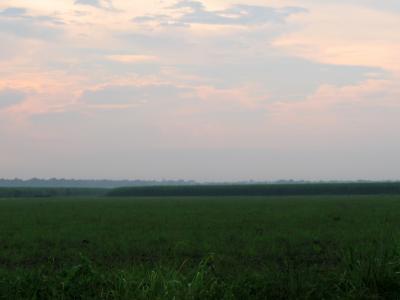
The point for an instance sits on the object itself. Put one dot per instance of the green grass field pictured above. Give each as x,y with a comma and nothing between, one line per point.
304,247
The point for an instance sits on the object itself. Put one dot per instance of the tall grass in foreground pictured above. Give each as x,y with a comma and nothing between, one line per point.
369,275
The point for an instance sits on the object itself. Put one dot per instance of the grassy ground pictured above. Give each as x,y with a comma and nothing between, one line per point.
320,247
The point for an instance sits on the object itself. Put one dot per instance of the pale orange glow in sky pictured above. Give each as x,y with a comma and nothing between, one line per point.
206,90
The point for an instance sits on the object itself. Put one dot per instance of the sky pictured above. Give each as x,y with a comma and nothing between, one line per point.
206,90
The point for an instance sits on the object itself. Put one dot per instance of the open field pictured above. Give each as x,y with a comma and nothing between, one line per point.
304,247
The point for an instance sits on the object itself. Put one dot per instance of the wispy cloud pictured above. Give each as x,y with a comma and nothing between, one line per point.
132,94
194,12
17,21
10,97
103,4
95,3
132,58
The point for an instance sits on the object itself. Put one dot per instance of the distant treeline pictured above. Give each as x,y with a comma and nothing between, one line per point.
89,183
49,192
262,189
303,189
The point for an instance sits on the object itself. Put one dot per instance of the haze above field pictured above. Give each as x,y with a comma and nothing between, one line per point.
210,91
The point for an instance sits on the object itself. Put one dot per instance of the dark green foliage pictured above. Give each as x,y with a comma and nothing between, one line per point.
13,192
88,183
262,189
330,247
307,189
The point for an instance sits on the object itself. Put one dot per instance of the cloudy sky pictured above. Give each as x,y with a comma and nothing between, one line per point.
204,90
